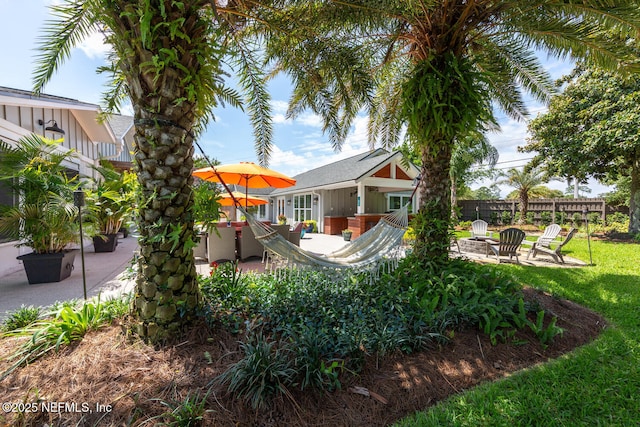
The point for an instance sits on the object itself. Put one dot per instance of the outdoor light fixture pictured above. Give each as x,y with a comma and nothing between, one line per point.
289,202
315,200
53,128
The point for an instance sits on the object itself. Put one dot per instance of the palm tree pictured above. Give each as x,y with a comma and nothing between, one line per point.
524,181
171,59
437,67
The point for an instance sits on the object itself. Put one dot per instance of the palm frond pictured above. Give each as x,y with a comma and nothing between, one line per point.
73,22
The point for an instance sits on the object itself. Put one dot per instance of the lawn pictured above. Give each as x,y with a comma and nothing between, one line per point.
597,384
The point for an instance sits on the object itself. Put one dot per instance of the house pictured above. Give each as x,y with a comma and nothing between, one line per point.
22,113
353,193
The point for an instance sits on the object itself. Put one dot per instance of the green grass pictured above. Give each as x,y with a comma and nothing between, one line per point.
595,385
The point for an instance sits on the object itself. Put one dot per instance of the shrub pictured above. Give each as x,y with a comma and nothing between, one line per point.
561,218
530,217
21,318
506,217
465,225
594,218
265,372
576,219
465,294
189,412
493,218
545,217
617,217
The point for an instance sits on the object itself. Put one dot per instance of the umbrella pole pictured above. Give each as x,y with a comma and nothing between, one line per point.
217,174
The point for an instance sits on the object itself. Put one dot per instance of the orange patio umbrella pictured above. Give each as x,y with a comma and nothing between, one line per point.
229,199
247,174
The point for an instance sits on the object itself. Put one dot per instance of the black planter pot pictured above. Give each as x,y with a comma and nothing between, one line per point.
108,245
48,268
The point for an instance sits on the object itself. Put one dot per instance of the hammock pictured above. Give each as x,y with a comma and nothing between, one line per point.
379,244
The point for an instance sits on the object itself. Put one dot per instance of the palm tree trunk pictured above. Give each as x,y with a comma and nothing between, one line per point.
434,215
167,293
524,203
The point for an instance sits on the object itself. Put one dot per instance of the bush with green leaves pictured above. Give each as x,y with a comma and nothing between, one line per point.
22,317
545,217
329,322
505,216
463,293
263,373
494,218
530,217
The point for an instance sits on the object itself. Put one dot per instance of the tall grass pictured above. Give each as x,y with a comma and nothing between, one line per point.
597,384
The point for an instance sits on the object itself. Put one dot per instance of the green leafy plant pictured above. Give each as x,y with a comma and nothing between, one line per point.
22,317
67,325
112,200
265,372
186,413
45,218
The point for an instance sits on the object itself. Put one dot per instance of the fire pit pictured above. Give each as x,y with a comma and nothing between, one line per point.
477,245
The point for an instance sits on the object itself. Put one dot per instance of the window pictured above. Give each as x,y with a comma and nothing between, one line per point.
8,199
302,208
397,201
262,211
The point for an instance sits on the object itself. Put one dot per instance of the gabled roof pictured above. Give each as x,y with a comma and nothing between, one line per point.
86,114
352,169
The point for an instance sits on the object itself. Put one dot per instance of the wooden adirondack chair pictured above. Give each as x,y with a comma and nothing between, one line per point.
510,241
556,253
479,228
550,233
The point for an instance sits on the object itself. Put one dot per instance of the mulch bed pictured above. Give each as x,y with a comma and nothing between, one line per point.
132,378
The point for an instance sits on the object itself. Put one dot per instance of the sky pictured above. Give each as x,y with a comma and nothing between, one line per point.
299,145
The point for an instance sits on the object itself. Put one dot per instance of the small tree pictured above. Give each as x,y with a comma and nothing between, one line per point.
524,181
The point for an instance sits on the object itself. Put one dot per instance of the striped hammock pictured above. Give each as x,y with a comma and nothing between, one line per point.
380,244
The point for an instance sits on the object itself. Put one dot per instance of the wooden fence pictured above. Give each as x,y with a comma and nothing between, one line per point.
493,211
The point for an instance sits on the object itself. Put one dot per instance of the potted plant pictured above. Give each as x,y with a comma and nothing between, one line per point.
282,219
346,235
44,218
109,204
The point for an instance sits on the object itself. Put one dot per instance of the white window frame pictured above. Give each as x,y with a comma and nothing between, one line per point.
302,207
404,198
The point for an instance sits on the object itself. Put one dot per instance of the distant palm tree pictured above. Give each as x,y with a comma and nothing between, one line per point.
436,69
524,181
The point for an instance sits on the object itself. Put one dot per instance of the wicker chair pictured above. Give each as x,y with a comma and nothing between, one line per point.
221,244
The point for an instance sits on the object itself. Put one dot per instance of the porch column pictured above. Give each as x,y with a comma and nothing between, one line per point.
360,200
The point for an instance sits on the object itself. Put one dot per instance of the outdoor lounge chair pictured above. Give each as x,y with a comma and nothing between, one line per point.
510,241
296,233
550,233
479,228
248,245
556,253
221,246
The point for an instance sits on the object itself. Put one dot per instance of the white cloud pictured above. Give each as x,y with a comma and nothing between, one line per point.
94,46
